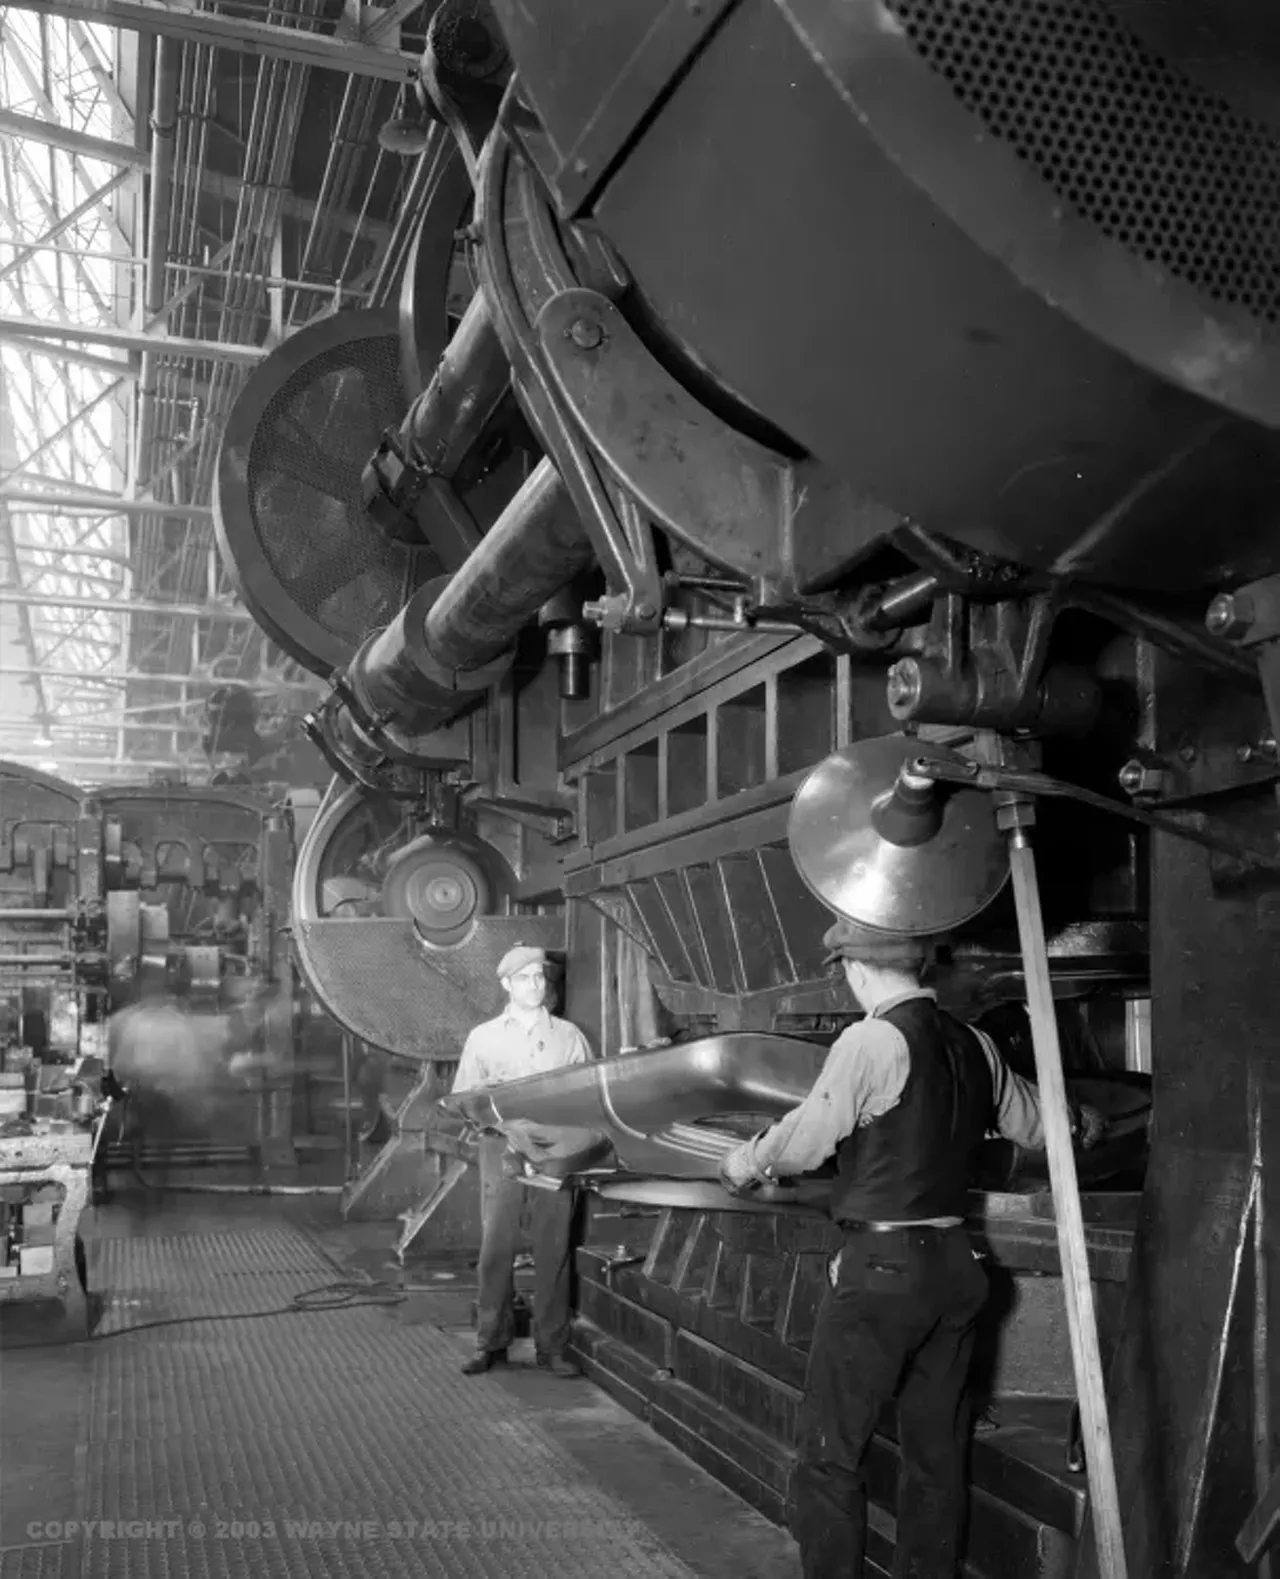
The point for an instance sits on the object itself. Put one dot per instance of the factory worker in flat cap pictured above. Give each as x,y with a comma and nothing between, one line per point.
904,1100
523,1040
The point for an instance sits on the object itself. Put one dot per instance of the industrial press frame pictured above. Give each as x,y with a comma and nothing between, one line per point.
831,370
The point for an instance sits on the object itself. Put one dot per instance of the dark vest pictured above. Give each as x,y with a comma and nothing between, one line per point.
915,1160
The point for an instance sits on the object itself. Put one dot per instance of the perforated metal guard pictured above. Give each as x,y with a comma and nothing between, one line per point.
310,563
1157,163
315,438
377,981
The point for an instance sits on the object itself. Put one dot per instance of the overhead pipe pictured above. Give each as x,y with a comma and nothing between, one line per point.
164,141
400,482
426,174
535,547
470,381
456,637
275,121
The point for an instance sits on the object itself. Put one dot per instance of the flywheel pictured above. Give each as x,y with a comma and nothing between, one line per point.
310,564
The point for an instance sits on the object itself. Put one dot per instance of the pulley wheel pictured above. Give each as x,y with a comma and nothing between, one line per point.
438,886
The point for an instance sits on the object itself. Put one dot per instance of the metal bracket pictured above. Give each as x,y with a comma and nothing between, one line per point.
554,821
623,539
464,72
984,664
1005,781
1250,617
724,495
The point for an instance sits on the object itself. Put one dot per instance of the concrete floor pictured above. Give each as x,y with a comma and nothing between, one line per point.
74,1416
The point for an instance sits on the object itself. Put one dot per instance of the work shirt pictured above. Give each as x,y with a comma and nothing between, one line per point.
862,1079
509,1048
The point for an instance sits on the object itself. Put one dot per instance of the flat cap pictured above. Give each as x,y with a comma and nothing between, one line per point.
517,958
847,940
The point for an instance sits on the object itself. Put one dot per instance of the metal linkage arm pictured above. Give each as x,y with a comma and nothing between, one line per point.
980,776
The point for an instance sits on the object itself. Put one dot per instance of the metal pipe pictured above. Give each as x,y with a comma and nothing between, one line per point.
247,1189
34,500
35,915
128,765
472,377
219,184
455,638
426,175
901,600
164,141
132,340
536,545
259,684
69,356
53,600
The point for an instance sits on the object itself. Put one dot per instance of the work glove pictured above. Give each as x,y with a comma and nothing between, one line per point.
645,1047
1088,1126
737,1169
1093,1127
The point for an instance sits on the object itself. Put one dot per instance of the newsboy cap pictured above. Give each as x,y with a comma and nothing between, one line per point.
847,940
517,958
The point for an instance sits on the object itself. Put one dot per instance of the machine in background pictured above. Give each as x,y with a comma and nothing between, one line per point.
147,997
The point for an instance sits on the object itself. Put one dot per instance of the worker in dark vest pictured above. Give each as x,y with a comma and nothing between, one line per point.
523,1040
904,1100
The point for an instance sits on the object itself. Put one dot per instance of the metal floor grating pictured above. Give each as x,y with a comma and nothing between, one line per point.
339,1444
36,1562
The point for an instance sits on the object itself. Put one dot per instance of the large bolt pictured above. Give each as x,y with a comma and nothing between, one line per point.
1230,615
586,334
903,686
1136,778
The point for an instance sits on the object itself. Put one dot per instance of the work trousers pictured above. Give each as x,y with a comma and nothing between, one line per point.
503,1202
900,1318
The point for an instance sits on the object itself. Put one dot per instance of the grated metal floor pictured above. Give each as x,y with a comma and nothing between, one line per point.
339,1443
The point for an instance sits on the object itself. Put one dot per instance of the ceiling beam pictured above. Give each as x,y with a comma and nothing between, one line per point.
70,355
34,501
72,141
23,468
121,766
132,340
94,200
245,37
55,600
258,683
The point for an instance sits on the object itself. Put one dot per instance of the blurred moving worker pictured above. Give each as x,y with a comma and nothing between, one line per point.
523,1040
904,1100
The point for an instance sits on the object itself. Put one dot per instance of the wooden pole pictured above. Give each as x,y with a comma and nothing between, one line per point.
1077,1284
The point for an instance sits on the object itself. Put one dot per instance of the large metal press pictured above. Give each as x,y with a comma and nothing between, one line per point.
824,461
